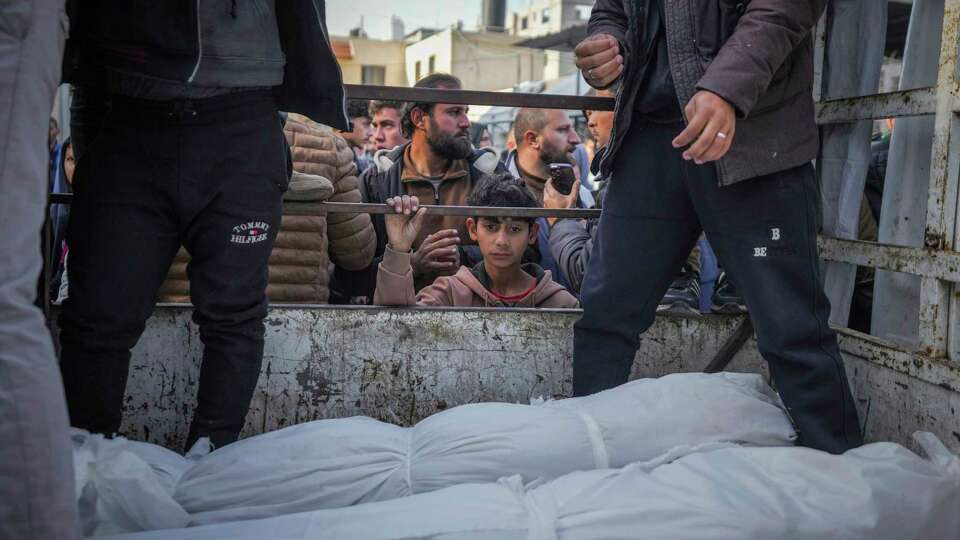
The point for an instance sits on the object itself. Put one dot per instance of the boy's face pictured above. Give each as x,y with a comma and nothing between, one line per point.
502,242
386,133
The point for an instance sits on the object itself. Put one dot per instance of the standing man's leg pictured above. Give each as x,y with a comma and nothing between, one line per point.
230,237
764,231
646,231
36,463
122,237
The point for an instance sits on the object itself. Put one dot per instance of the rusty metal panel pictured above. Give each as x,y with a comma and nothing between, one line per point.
916,102
940,230
401,365
943,265
855,53
896,302
893,405
936,371
396,365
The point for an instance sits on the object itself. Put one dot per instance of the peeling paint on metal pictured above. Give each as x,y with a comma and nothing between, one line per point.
400,366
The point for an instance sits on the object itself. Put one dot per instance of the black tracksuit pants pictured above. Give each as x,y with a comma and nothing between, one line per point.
764,233
151,176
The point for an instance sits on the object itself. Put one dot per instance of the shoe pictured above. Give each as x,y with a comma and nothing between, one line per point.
726,299
683,296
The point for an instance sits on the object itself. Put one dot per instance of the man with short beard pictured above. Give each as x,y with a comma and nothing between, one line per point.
545,136
439,166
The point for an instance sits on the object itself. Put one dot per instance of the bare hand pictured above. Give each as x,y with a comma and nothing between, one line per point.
599,58
554,199
711,122
404,226
438,254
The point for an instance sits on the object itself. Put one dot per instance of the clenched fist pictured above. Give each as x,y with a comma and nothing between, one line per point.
599,58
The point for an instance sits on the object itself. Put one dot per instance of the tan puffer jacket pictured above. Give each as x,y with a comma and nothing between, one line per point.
316,149
301,257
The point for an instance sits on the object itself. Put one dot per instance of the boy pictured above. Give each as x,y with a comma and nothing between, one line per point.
500,280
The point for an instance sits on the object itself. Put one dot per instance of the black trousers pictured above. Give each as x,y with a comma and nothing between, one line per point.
151,176
764,233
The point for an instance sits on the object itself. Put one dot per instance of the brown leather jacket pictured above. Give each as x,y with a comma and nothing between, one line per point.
306,245
756,54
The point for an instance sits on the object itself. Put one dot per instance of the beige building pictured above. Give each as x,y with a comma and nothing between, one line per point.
371,61
482,61
548,16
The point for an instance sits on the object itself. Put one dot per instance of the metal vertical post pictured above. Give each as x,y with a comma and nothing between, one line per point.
940,231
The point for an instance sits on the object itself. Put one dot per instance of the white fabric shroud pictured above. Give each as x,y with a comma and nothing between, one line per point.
880,491
124,486
336,463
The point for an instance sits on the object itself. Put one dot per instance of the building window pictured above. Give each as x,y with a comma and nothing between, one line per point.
545,15
417,71
524,23
583,12
374,75
432,64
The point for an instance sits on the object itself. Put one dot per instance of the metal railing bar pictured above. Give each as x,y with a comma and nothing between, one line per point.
923,262
917,102
475,97
438,210
327,207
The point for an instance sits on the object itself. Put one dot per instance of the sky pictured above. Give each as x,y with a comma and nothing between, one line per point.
342,15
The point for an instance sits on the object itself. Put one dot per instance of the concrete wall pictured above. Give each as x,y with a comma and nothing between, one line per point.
439,45
374,52
492,62
562,15
401,365
480,61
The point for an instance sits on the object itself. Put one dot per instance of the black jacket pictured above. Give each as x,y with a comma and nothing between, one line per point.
756,54
160,39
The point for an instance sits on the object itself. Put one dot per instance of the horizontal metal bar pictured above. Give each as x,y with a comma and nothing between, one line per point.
917,102
474,97
924,262
310,208
937,371
437,210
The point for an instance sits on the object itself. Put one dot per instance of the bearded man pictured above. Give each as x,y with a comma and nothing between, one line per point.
438,166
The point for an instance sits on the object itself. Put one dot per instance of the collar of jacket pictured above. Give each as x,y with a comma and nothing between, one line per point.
483,285
458,168
484,160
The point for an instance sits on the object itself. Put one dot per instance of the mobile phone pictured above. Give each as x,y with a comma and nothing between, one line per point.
562,176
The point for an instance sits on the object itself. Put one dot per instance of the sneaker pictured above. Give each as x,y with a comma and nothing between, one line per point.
683,296
726,299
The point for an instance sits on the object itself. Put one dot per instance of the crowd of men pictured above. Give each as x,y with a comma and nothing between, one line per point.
433,152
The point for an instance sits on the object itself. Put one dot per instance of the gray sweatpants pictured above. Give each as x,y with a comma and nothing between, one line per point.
36,468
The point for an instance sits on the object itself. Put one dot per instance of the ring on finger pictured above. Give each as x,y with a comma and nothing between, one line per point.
721,135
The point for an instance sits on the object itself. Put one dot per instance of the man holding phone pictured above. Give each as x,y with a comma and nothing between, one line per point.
714,131
546,142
